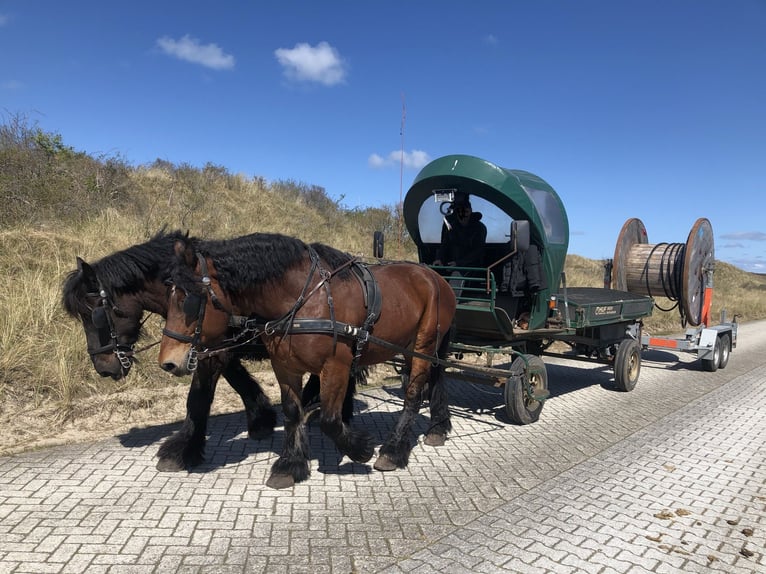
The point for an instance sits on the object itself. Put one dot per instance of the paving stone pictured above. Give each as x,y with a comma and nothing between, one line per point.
662,479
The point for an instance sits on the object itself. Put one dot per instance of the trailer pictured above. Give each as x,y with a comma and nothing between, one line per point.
684,273
516,307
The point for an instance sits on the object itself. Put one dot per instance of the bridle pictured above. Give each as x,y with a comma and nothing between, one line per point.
195,304
102,320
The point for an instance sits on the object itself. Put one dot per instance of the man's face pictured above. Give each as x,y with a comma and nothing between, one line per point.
463,213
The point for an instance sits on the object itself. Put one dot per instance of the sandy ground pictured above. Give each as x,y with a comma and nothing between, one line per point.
99,417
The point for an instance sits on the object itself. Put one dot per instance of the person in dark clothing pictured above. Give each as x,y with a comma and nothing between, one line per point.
462,243
463,237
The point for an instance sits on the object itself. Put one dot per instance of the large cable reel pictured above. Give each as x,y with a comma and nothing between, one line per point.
673,270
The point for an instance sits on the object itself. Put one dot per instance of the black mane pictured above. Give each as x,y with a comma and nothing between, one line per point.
255,259
122,272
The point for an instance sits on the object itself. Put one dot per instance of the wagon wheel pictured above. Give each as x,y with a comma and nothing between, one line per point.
527,372
712,364
627,365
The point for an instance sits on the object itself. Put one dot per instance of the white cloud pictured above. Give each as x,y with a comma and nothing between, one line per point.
490,39
414,159
746,236
305,63
4,19
753,265
190,50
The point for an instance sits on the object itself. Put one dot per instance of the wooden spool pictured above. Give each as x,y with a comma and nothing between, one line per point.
676,271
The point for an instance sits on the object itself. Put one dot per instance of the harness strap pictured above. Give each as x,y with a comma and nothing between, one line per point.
373,301
328,326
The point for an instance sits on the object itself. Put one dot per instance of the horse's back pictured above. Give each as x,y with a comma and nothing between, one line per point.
414,290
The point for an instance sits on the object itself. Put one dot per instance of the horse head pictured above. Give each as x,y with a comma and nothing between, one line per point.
198,311
112,323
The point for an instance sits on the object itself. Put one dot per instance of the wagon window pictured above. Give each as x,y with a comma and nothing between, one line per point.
498,222
550,214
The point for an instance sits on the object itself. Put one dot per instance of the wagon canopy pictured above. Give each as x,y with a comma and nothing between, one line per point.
505,195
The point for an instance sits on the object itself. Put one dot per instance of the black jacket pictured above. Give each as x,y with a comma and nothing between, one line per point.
463,245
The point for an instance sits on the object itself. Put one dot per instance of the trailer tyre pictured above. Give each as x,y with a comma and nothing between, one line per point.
519,406
725,350
711,365
627,365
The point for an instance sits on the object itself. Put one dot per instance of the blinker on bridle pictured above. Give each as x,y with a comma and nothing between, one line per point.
102,320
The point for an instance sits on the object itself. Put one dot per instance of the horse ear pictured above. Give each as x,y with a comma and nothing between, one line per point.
88,274
184,252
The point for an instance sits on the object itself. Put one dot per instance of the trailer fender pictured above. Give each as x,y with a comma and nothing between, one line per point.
707,343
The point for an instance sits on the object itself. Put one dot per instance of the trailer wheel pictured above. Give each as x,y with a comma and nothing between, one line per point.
519,406
627,365
711,365
725,350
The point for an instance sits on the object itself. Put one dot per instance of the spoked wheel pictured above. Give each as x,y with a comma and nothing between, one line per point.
713,362
627,365
520,407
725,351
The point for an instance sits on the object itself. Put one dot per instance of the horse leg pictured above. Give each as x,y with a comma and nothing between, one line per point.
292,466
337,384
261,416
395,451
186,448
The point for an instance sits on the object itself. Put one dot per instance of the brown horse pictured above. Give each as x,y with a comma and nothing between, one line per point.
319,311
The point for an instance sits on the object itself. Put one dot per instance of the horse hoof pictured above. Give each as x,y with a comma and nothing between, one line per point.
280,481
434,439
384,463
169,465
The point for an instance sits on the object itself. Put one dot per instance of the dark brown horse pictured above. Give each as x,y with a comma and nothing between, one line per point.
111,296
318,311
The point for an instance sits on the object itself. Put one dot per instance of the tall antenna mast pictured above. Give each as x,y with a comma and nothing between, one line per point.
401,179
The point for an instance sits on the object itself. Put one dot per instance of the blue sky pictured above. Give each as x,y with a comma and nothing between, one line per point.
653,109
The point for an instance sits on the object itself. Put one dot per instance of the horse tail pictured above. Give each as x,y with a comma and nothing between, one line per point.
437,396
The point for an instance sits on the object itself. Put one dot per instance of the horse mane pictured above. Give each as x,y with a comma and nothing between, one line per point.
334,258
123,272
238,269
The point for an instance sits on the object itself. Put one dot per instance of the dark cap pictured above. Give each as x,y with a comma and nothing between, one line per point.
461,200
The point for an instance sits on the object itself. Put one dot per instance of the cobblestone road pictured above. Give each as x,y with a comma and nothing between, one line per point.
668,478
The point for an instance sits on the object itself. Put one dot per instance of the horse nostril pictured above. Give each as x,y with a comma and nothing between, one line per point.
168,366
